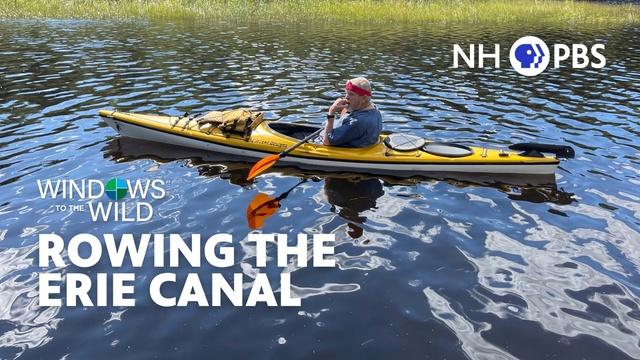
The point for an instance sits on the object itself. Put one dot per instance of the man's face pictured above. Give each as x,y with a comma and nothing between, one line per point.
355,101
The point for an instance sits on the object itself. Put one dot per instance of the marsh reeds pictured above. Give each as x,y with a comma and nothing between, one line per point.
384,11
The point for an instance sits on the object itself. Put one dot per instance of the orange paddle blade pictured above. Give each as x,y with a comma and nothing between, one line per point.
263,165
261,207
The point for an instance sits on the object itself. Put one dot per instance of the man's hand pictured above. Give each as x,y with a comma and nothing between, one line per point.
338,105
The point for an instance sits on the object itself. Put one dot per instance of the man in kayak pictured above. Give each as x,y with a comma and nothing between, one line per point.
362,126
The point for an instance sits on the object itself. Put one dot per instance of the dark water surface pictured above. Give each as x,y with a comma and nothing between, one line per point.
426,268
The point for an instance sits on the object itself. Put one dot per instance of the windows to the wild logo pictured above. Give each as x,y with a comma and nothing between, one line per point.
119,208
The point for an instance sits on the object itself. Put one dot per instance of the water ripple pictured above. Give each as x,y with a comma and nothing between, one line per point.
500,263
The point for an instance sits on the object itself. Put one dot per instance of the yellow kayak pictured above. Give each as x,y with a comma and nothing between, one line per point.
272,137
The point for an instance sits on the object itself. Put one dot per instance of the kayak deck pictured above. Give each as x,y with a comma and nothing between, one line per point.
273,137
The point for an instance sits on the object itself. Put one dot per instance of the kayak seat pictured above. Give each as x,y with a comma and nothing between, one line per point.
296,131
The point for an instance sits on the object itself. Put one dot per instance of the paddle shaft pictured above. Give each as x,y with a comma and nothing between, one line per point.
315,133
294,146
267,162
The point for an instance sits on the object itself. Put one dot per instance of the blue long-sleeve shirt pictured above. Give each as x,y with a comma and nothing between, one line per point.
359,129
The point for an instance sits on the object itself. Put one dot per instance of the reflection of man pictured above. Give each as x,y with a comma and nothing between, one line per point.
353,197
362,126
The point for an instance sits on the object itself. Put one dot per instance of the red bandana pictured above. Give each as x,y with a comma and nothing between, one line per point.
356,89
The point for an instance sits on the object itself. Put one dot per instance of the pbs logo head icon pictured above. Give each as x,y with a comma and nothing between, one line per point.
529,56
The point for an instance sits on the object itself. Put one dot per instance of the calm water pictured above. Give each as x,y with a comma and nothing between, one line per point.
427,268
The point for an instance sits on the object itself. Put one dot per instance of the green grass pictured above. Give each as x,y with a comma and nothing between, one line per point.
386,11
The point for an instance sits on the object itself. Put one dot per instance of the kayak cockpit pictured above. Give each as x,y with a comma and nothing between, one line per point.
296,131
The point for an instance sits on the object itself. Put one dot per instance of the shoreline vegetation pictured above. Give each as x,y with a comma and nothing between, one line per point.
555,12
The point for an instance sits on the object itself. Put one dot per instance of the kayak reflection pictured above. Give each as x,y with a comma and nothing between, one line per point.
530,188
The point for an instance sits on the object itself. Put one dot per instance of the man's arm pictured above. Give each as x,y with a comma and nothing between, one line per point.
328,128
339,104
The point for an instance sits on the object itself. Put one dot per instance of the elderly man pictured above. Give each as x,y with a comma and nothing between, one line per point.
362,126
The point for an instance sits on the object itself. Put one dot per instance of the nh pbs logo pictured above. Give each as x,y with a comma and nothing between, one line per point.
530,56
